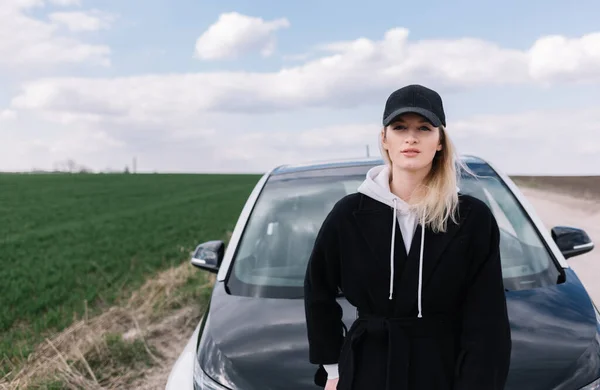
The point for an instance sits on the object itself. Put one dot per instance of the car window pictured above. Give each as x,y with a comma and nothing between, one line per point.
526,260
273,252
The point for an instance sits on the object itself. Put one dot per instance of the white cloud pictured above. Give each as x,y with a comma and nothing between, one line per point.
534,142
39,43
66,3
82,142
536,125
6,115
296,57
234,34
168,121
83,21
192,133
350,74
21,4
558,58
32,142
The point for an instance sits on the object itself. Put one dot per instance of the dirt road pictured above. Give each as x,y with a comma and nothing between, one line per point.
560,209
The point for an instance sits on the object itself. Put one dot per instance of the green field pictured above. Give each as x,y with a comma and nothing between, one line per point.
67,239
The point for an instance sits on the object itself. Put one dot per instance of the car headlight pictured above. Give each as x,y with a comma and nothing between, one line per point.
595,385
203,381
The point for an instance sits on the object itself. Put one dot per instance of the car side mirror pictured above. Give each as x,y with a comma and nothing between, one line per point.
571,241
209,255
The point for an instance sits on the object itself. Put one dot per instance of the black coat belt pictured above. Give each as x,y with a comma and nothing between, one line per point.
400,331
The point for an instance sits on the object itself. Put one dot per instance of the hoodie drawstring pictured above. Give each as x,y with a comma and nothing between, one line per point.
420,288
392,250
420,315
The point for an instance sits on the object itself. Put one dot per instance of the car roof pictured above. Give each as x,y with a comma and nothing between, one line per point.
365,161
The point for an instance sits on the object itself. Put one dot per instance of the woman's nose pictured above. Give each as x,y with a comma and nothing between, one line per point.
411,138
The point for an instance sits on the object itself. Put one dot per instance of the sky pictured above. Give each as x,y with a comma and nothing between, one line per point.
245,86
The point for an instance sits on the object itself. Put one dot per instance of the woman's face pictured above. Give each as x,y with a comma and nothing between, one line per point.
411,132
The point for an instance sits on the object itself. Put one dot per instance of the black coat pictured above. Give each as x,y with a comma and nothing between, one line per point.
462,340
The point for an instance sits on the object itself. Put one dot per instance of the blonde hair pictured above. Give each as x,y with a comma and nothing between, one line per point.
437,195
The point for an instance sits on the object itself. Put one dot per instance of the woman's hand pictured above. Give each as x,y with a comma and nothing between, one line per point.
331,384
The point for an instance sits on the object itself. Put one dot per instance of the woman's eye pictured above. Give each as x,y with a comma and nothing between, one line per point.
425,128
399,127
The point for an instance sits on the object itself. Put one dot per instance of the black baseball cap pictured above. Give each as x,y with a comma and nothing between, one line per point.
416,99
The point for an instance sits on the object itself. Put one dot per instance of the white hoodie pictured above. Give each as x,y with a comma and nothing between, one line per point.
376,185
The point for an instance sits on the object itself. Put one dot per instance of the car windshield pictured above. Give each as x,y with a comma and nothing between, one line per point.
273,252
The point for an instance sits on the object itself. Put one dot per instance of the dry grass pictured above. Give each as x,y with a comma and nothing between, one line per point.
112,349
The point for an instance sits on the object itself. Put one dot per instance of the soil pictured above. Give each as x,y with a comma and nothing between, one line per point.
587,187
169,338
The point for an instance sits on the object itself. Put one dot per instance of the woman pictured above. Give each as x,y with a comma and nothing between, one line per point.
431,309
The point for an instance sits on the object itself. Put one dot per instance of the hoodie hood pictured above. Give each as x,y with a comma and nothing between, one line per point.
377,186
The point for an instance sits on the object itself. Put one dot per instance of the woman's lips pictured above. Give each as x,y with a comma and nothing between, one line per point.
410,153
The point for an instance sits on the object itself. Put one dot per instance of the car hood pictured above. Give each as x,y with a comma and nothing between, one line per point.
555,335
257,343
